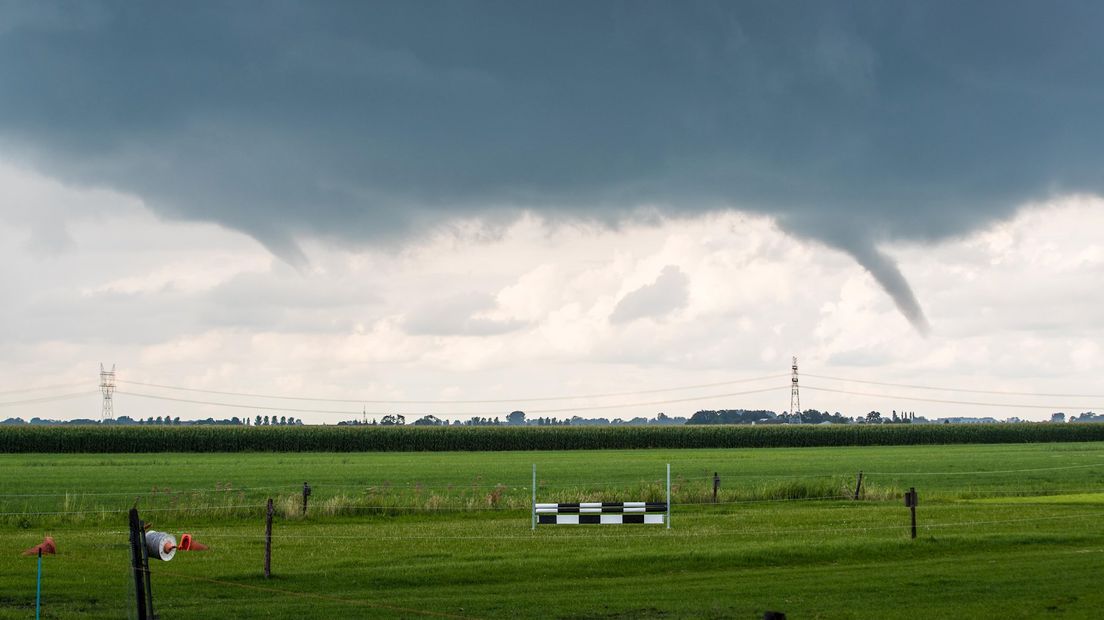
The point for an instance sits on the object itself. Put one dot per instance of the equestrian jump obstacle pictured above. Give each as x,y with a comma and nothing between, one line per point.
601,513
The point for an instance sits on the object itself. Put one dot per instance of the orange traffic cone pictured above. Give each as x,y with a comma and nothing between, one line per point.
187,544
47,546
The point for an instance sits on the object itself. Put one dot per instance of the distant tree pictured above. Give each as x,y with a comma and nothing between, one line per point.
516,418
176,421
729,416
428,420
874,417
283,420
812,416
257,421
266,420
393,420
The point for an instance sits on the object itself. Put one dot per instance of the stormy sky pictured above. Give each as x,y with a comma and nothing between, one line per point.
845,135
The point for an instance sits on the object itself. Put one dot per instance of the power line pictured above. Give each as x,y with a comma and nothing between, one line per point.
45,399
454,402
955,402
44,387
950,389
453,414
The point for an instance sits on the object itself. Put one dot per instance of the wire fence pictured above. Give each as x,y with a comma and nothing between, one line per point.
333,508
689,531
526,483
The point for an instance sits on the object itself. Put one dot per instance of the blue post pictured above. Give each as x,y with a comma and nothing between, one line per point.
38,593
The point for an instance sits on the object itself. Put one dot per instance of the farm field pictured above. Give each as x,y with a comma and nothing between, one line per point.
1005,530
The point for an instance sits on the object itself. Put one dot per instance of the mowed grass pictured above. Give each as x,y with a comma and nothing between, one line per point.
1005,531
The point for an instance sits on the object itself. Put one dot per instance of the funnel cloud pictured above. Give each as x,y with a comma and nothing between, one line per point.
854,124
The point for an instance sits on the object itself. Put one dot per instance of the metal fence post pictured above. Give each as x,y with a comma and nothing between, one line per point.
268,541
668,496
38,589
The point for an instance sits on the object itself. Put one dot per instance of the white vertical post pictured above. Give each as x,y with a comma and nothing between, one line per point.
668,496
534,496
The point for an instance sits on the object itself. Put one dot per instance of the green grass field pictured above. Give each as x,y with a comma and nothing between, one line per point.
1005,531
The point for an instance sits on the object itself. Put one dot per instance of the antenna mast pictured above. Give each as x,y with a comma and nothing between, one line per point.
107,386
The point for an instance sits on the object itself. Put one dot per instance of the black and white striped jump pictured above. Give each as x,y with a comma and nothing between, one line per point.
601,513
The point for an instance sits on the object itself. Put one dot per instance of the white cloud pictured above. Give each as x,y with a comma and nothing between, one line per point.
459,315
539,309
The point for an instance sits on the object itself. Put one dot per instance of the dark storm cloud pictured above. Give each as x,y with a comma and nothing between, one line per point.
853,124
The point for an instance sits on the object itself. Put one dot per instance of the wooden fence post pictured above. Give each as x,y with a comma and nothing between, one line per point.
858,485
146,570
716,485
910,501
268,541
136,563
306,494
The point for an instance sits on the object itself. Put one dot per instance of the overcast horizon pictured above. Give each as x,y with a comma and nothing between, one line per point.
524,202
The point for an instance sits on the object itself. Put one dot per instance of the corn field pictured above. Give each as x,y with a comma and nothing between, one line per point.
134,439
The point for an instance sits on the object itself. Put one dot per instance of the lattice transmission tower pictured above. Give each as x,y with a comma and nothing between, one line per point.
107,386
795,395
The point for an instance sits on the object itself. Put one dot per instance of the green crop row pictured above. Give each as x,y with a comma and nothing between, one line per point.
106,439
